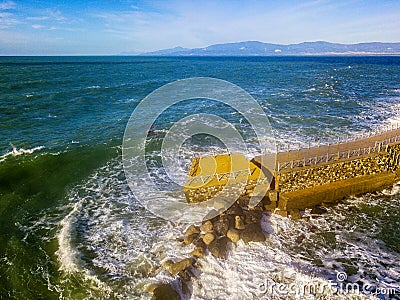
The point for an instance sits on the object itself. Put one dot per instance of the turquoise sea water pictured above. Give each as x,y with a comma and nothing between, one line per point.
69,226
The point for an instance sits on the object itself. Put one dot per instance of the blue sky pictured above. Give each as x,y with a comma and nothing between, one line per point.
111,27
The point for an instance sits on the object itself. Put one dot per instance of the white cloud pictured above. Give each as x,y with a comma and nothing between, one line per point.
55,15
7,5
37,26
7,20
41,18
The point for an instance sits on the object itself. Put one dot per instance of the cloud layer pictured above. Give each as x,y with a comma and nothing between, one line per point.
111,27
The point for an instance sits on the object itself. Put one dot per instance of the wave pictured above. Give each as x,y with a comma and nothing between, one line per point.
16,152
109,237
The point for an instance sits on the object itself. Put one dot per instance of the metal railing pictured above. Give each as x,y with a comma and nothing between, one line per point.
338,156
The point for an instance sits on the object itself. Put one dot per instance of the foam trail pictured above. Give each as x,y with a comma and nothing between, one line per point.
21,151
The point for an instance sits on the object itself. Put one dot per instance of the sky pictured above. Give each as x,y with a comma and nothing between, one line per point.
113,27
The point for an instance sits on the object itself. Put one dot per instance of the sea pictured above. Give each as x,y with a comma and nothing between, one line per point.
71,228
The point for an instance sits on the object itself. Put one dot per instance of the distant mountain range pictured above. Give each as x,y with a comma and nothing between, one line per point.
255,48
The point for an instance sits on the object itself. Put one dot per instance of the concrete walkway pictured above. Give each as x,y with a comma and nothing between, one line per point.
342,150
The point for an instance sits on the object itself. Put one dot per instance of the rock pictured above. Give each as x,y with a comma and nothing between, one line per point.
221,225
239,224
192,230
282,213
219,247
235,209
151,287
295,214
252,216
300,238
208,238
176,267
168,263
243,201
199,252
206,227
190,238
268,204
318,210
252,233
185,289
233,235
200,243
165,292
185,276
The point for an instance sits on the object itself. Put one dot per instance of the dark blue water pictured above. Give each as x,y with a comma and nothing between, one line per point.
68,226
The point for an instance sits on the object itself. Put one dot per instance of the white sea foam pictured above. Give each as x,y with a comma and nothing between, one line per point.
21,151
108,230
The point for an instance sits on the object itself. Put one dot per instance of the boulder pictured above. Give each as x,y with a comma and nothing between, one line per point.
151,287
295,214
192,230
252,216
252,233
235,209
221,225
176,267
219,247
207,226
233,235
239,224
243,201
190,238
318,210
208,238
199,252
282,213
200,243
165,292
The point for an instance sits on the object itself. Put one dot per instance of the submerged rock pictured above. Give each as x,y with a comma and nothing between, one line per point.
199,252
165,292
175,267
318,210
252,233
295,214
219,247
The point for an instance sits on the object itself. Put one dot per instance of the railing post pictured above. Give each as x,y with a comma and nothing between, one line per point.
299,151
338,144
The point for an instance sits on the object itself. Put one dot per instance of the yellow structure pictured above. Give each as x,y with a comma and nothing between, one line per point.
208,175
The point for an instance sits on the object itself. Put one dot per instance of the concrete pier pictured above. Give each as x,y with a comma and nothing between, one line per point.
308,177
